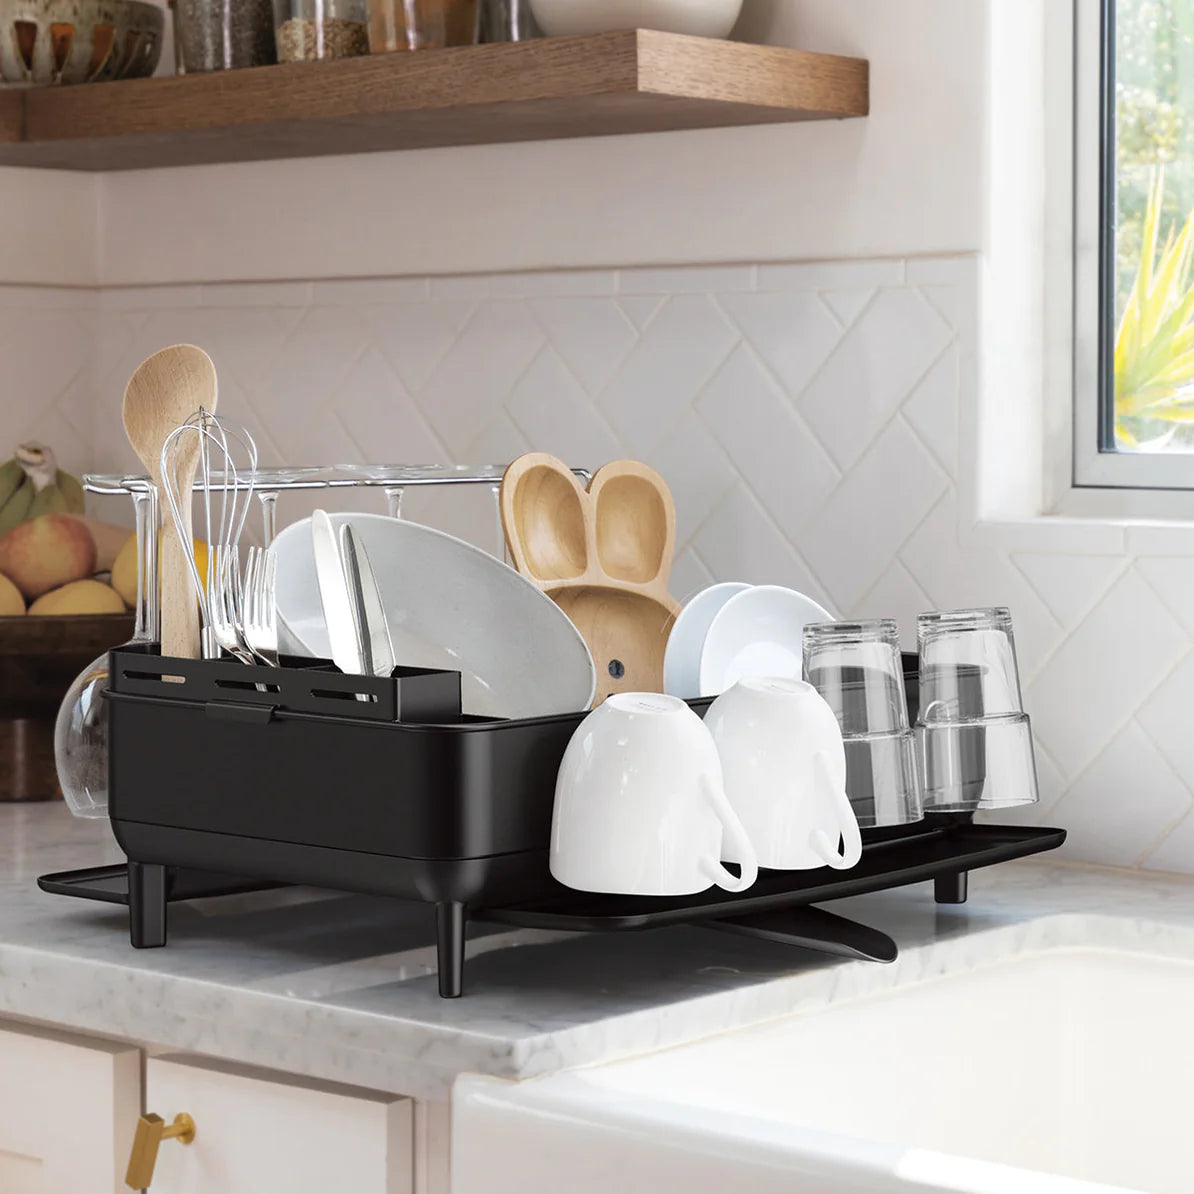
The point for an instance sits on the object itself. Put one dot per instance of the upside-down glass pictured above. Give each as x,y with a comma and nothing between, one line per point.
975,738
858,669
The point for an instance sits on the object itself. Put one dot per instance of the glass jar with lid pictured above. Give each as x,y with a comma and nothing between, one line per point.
307,30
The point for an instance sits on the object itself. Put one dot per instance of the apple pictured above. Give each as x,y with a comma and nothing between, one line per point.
46,553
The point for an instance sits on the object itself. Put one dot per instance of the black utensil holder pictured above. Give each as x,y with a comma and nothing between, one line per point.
302,775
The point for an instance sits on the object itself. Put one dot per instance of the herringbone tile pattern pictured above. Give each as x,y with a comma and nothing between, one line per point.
806,416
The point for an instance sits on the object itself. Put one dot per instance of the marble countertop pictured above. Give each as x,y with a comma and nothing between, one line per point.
343,987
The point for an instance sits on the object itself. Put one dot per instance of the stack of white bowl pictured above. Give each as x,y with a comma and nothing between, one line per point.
734,631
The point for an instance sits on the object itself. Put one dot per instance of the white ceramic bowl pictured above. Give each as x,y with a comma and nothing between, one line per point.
452,606
682,662
702,18
758,633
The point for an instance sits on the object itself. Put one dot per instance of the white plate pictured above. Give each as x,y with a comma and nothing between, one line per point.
682,661
758,633
451,606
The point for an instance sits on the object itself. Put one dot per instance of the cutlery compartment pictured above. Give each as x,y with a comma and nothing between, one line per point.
290,756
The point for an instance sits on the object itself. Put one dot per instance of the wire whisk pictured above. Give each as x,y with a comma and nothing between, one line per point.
226,487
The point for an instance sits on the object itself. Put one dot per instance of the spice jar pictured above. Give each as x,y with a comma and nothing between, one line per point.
422,24
311,29
507,20
217,35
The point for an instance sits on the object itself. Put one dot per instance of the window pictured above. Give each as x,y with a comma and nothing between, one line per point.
1134,213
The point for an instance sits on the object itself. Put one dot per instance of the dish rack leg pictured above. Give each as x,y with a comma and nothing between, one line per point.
147,905
951,889
449,938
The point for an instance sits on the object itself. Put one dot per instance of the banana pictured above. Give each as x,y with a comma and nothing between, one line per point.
50,500
11,476
32,484
72,490
16,509
56,492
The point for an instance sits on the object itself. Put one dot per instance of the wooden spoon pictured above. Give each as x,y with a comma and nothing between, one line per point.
164,392
603,555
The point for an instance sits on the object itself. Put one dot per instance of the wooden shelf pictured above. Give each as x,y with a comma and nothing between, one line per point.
635,81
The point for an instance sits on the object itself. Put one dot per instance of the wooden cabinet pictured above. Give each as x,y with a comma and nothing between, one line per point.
259,1132
68,1108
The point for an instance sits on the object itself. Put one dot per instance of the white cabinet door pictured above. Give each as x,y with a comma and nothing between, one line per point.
258,1132
68,1108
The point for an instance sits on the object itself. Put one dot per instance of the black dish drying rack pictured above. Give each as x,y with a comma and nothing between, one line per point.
226,778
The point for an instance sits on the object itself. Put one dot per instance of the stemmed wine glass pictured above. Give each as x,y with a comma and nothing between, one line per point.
81,729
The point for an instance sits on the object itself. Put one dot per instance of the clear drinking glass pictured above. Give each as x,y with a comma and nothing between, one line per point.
81,729
858,669
975,738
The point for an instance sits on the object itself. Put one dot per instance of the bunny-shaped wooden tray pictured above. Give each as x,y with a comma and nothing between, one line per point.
603,555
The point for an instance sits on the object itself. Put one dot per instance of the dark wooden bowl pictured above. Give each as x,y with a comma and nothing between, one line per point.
39,660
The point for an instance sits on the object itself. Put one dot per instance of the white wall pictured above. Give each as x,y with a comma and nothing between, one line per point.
906,180
50,222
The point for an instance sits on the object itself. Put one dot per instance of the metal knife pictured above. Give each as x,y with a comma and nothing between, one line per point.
373,626
334,594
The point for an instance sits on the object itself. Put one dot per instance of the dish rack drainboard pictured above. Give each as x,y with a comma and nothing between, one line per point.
401,795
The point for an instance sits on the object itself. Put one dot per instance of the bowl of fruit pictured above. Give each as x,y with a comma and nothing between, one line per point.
66,585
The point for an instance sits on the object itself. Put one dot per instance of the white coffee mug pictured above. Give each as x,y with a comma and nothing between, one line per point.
785,774
640,806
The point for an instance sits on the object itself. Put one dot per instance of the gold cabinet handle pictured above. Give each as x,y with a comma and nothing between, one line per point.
151,1131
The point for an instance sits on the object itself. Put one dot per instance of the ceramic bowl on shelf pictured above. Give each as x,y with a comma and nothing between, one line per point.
450,605
78,41
701,18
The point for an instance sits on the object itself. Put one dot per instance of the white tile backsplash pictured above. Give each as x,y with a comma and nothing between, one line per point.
873,368
806,416
1105,826
47,347
1097,679
793,332
786,469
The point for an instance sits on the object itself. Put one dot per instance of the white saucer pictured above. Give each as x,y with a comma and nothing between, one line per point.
758,632
682,661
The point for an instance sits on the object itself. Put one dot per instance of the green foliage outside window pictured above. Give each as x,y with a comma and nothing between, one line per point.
1154,352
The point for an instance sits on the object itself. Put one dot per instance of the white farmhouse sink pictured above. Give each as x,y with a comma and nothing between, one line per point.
1063,1072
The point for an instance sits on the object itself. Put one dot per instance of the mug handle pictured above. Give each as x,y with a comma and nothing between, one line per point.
821,842
736,836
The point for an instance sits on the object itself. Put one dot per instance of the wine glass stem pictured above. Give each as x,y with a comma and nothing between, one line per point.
269,514
145,506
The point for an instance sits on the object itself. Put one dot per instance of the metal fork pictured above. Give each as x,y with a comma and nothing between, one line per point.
225,601
260,607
